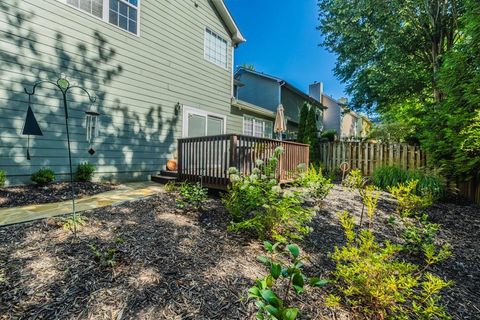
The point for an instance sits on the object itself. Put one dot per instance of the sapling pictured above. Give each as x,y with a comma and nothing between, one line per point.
273,291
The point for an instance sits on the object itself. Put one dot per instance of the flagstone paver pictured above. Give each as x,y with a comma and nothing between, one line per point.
125,192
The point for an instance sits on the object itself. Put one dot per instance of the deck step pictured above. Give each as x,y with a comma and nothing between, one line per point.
166,173
163,179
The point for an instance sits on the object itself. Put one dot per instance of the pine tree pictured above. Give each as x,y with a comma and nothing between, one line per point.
302,123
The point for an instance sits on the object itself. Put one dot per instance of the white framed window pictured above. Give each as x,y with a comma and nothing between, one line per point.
216,48
257,127
122,13
199,123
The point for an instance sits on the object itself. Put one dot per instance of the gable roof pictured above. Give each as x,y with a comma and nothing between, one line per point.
227,18
285,84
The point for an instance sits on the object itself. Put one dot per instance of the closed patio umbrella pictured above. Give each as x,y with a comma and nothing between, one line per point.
280,125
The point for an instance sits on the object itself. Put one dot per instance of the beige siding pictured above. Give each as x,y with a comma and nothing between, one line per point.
138,81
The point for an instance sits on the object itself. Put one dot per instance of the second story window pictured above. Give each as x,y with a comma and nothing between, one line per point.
215,48
122,13
94,7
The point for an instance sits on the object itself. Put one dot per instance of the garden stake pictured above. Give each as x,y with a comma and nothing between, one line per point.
64,87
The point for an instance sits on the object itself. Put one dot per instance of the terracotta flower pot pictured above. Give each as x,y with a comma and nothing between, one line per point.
172,165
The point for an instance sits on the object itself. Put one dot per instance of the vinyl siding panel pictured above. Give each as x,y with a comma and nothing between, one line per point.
138,80
259,91
292,104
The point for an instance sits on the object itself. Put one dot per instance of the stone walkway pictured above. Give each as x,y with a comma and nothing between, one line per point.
125,192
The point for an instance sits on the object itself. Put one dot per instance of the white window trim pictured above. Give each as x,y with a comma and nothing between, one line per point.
264,121
190,110
229,44
106,8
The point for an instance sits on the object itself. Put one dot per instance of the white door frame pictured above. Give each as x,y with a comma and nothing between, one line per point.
190,110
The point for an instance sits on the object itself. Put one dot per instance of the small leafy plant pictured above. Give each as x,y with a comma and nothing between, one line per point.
272,292
73,223
192,196
85,172
409,203
43,176
371,280
170,186
3,178
106,258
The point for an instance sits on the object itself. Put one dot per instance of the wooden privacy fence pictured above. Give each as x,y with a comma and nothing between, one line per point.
208,158
470,189
368,156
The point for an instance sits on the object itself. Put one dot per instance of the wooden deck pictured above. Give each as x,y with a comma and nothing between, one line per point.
208,158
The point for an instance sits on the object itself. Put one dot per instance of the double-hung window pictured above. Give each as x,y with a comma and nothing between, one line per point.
216,48
122,13
257,127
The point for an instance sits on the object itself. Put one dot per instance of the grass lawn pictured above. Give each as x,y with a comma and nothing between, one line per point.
148,260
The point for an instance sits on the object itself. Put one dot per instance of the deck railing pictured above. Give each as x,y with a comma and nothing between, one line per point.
208,158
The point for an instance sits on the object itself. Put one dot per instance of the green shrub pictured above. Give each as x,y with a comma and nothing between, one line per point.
408,202
353,180
282,218
371,280
370,197
43,176
192,196
391,176
3,178
256,202
420,236
314,183
85,172
272,291
328,135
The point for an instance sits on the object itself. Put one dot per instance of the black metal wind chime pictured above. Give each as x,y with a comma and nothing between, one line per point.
32,128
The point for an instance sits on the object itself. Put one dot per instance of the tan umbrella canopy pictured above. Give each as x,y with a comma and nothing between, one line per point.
280,125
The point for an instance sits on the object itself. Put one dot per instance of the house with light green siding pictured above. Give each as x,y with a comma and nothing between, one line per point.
160,70
263,94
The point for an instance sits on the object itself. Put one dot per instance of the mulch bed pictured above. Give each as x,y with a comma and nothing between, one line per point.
55,192
175,265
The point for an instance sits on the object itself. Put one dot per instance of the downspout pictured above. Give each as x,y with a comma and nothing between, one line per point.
281,84
233,72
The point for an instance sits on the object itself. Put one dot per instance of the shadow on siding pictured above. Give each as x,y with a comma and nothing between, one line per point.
133,142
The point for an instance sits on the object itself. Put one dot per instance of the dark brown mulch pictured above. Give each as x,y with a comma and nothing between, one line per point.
59,191
175,265
460,226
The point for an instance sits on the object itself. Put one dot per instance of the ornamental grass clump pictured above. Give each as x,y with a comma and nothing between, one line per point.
374,283
257,203
429,183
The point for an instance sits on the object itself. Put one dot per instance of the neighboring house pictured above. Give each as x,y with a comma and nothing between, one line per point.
161,70
346,123
267,92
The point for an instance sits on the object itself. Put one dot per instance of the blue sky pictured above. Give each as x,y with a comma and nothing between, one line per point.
282,40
